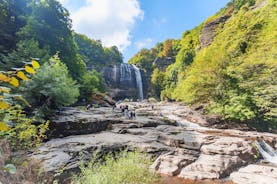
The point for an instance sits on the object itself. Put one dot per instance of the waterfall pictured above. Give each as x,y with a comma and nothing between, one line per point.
115,73
268,153
139,81
125,72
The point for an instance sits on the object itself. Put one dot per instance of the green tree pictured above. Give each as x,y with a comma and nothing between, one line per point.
12,13
113,55
144,60
50,25
51,87
157,82
25,49
91,83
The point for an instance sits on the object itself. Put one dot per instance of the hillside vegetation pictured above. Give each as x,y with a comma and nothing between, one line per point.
234,75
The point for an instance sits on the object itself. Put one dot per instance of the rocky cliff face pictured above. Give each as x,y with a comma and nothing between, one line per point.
163,62
209,29
123,81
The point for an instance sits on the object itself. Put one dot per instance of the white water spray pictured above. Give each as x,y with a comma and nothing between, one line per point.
139,81
268,153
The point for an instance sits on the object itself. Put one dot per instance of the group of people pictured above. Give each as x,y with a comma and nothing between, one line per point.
124,110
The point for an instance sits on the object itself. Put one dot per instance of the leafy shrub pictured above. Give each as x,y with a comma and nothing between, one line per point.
128,168
91,83
51,87
22,134
157,82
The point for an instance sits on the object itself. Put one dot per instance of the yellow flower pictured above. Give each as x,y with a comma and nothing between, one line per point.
21,75
4,78
29,70
4,126
35,64
14,82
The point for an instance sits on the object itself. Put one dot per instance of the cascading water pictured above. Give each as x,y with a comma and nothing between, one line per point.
123,81
139,81
125,72
268,153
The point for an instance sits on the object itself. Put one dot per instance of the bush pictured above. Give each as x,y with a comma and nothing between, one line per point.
51,87
22,134
91,84
129,168
14,125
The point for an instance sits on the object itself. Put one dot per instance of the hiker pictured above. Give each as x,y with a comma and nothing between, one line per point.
114,107
131,115
88,106
122,110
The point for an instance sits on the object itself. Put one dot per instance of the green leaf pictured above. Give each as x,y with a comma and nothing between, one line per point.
10,168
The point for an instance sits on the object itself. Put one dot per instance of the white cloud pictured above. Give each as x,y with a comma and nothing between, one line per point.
144,43
108,20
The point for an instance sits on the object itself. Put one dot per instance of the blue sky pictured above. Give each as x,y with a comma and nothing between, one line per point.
135,24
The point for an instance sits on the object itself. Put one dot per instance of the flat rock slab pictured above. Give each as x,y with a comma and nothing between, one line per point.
168,132
255,174
231,146
211,167
171,163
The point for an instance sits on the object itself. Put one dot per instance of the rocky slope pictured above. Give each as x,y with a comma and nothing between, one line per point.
167,132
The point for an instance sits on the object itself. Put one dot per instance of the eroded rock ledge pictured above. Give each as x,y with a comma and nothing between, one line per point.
182,148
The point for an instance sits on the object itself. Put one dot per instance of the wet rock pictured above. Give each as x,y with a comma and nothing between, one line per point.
255,174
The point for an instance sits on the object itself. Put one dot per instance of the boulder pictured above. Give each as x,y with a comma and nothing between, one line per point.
172,162
231,146
255,174
102,100
211,167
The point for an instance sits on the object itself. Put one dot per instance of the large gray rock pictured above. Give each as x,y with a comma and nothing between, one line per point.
211,167
255,174
171,163
232,146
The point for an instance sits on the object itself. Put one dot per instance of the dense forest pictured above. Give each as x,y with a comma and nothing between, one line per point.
228,63
41,30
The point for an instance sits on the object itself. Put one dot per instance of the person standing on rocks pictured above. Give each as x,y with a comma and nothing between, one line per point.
88,106
114,107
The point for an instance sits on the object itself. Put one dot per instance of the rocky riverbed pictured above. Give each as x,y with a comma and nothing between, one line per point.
176,136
